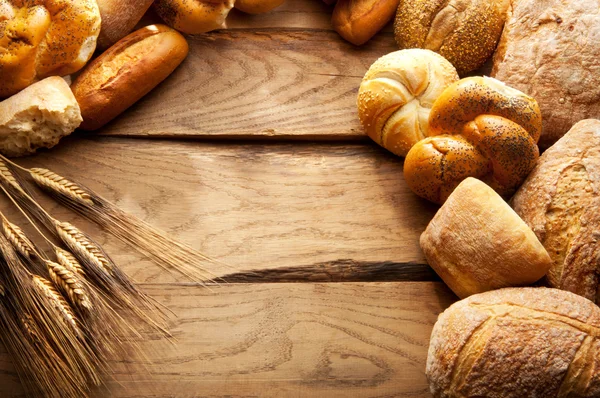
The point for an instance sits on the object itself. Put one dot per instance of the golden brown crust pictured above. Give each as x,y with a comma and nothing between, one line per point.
516,342
397,93
257,6
359,20
119,18
476,243
494,122
126,72
464,31
560,201
194,16
41,38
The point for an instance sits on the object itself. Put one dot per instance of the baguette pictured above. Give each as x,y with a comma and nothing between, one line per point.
126,72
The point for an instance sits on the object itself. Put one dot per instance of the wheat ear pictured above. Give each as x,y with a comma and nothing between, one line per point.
69,284
58,302
18,239
79,243
68,260
55,182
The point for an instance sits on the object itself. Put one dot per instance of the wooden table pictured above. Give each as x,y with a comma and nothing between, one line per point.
252,152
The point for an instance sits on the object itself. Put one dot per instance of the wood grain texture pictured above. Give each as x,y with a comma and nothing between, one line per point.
300,340
329,208
259,83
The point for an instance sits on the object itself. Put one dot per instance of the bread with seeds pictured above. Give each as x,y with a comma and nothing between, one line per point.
560,201
516,342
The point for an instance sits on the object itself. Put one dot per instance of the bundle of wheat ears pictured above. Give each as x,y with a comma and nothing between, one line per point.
66,312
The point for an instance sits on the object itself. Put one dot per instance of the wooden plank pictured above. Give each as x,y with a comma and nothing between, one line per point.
328,209
259,83
300,340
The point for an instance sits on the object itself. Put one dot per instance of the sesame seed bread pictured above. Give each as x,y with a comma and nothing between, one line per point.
549,50
560,201
37,117
464,31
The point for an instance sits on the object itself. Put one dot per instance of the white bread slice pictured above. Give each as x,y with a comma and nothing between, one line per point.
38,117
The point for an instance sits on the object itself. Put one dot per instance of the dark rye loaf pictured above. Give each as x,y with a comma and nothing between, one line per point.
550,50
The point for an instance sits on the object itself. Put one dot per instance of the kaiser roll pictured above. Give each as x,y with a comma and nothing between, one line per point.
560,201
396,96
194,16
515,343
476,242
481,128
464,31
41,38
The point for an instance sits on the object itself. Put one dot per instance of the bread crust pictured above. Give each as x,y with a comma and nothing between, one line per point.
119,17
516,342
396,96
549,50
464,31
41,38
126,72
194,16
359,20
478,127
560,201
476,242
257,6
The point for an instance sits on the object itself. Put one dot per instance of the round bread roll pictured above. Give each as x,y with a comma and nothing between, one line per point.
515,343
194,16
359,20
41,38
476,242
119,18
257,6
126,72
478,127
465,32
396,96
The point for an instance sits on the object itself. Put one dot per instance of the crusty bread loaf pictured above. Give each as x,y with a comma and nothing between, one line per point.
396,96
476,243
481,128
194,16
257,6
464,31
516,343
359,20
549,50
119,18
41,38
126,72
560,200
37,117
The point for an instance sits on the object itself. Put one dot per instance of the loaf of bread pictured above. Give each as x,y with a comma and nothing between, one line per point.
396,96
549,50
44,38
476,242
481,128
359,20
126,72
560,201
515,343
465,32
37,117
257,6
194,16
119,18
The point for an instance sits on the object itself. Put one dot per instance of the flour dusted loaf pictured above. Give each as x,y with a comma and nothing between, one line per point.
37,117
549,50
516,343
464,31
560,201
476,243
396,96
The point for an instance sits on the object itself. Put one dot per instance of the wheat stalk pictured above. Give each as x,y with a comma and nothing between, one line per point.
55,182
69,284
68,260
58,302
17,238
